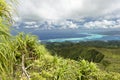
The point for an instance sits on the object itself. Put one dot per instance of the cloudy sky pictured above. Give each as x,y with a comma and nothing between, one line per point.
106,13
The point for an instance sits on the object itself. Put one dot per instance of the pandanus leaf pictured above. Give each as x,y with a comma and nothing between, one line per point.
4,33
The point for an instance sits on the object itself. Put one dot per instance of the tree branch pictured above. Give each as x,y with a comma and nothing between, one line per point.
23,67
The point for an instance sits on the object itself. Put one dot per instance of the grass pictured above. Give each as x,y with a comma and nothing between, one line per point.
113,56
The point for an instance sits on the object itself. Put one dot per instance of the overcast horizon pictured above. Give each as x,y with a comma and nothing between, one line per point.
72,14
57,19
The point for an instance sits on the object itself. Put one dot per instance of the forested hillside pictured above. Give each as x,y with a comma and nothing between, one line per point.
22,57
104,53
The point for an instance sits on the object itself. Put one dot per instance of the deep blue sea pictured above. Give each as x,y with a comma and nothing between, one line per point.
73,35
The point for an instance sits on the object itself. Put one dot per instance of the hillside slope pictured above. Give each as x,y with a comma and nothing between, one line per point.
105,54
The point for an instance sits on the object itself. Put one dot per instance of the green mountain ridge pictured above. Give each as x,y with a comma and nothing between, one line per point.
105,54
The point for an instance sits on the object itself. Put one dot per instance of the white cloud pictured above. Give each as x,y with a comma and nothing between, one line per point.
118,21
70,24
61,9
102,24
116,26
30,23
48,25
31,26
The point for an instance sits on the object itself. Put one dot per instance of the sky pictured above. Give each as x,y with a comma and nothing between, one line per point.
91,13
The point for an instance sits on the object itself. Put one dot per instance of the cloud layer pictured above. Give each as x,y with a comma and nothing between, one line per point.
62,9
69,24
69,14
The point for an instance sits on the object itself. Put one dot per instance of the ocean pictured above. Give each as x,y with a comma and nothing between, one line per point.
72,35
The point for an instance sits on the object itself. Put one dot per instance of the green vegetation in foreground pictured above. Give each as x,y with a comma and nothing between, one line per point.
105,54
22,57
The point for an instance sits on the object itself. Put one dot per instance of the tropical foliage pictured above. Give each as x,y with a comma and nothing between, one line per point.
22,57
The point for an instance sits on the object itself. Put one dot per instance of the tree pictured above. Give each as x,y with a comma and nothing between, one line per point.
94,56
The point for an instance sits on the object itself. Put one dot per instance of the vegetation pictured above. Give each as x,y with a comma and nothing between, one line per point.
22,57
105,54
